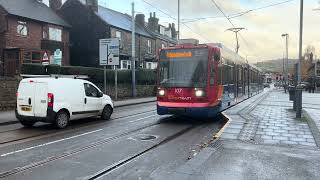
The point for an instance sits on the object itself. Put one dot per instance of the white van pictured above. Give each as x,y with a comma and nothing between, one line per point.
58,100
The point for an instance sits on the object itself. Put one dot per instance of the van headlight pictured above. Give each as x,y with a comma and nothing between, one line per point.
199,93
161,92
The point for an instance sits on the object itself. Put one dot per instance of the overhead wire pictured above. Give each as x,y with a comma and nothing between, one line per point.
220,9
239,14
172,17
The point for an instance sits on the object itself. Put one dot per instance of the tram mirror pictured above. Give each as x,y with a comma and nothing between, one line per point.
216,56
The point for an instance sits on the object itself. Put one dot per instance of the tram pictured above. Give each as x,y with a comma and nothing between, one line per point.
203,80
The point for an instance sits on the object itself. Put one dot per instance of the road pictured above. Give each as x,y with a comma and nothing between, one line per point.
134,144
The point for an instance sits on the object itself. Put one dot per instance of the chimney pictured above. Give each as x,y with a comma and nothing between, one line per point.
92,4
173,31
54,4
140,19
153,23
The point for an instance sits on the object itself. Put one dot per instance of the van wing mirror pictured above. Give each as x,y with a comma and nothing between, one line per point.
100,94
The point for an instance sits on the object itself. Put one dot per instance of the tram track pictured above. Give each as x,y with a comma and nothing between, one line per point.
75,151
113,139
6,123
100,174
45,134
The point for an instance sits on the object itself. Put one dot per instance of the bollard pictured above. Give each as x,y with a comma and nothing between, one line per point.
298,103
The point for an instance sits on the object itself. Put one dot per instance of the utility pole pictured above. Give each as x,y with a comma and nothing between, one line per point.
236,30
133,58
299,88
283,57
287,62
178,20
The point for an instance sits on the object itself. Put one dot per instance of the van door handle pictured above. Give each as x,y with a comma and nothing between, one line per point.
85,100
29,101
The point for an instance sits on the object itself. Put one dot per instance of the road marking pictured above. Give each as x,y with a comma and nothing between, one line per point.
143,118
217,135
46,144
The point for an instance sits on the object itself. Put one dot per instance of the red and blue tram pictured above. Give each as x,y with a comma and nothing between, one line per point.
203,80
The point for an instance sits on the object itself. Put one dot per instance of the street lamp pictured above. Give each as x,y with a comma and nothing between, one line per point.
287,63
236,30
298,99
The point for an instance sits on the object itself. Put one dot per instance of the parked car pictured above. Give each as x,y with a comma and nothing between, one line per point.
58,100
266,85
305,85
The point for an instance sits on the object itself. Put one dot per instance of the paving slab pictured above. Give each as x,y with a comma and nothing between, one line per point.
236,160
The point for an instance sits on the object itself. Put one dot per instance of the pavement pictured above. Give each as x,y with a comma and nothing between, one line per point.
8,117
263,140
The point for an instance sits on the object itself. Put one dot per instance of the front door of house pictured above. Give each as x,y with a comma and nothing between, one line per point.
11,62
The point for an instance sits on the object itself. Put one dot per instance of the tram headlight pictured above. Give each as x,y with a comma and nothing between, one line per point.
161,92
199,93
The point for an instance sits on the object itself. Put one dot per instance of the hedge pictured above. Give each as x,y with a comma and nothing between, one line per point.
143,76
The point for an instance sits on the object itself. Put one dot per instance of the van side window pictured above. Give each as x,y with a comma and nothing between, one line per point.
90,90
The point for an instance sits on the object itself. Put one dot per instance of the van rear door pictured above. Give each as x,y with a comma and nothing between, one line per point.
41,99
25,99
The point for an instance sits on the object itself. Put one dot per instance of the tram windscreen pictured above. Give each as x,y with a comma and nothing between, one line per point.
183,67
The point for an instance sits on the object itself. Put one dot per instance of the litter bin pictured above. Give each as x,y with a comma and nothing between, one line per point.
292,93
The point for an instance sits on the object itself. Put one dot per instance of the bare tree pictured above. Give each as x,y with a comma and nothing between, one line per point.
309,52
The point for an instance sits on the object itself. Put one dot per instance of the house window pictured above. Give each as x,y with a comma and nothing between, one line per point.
163,46
149,46
44,33
118,34
55,34
32,57
151,65
125,64
22,28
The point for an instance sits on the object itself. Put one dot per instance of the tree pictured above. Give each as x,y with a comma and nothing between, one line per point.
309,52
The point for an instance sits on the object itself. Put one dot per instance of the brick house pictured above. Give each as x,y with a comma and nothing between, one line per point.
30,31
91,22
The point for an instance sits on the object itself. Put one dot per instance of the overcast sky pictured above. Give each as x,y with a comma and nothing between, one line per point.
262,37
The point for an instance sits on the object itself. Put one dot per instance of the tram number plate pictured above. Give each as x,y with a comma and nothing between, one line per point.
177,110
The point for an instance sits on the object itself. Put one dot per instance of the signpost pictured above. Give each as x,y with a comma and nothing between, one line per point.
45,59
109,55
57,57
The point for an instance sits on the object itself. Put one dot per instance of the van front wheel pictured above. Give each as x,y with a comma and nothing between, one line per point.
27,123
106,113
62,119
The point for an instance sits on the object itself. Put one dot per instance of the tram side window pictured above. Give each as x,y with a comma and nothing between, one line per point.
240,73
231,75
225,74
212,74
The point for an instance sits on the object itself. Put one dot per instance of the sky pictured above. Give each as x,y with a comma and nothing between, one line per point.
261,40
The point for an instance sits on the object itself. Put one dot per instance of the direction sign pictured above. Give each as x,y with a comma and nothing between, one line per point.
109,52
57,57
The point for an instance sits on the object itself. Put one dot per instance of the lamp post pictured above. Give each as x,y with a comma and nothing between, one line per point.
236,31
299,88
287,63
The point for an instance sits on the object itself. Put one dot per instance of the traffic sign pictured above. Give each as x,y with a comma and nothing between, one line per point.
45,57
109,52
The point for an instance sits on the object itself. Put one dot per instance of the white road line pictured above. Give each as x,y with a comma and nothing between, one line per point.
46,144
142,118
